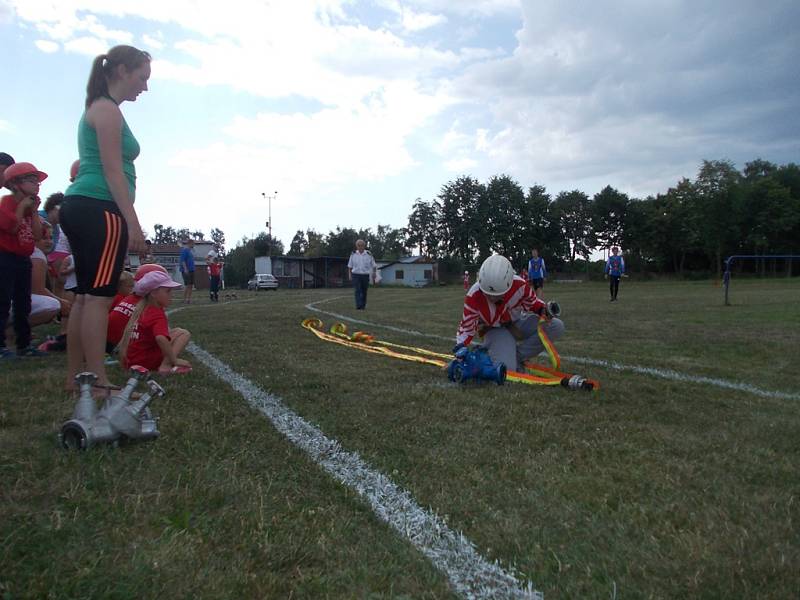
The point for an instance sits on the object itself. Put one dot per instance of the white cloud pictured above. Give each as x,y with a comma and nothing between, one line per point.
89,46
153,42
47,46
414,21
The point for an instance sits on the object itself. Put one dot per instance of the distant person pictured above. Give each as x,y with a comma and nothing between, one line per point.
6,160
503,309
214,275
615,268
20,229
537,271
98,214
361,269
187,270
466,281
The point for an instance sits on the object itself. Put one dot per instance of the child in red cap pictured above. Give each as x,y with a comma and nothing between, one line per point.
123,307
20,229
148,340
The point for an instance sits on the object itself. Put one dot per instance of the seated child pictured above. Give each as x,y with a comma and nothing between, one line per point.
124,288
66,274
45,305
124,304
148,341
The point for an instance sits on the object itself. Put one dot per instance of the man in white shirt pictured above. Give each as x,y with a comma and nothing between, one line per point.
361,268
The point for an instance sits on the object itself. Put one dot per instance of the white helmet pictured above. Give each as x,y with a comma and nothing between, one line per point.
496,275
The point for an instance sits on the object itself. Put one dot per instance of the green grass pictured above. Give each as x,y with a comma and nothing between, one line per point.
649,488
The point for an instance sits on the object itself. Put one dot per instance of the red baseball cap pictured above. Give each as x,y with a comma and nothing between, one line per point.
145,269
21,169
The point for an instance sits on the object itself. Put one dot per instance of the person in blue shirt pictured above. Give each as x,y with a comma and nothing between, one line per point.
187,270
536,270
615,268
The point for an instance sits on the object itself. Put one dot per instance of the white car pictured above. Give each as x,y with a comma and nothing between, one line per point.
263,281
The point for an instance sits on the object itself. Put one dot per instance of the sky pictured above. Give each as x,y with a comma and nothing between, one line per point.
346,112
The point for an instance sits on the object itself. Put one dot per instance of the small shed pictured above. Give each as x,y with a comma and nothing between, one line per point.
411,271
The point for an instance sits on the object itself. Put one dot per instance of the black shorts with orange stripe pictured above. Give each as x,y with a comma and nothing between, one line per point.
98,235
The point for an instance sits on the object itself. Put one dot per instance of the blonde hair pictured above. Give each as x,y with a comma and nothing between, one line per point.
122,347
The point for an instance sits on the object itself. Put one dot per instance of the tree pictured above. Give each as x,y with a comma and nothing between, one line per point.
574,216
164,235
218,237
299,244
463,217
387,242
423,228
505,218
198,235
342,241
719,209
609,208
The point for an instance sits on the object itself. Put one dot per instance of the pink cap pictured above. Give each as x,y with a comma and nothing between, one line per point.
152,281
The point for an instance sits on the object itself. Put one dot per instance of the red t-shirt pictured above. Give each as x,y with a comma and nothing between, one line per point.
143,349
214,269
18,242
119,316
117,299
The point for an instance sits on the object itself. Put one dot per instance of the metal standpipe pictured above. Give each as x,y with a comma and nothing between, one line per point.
120,417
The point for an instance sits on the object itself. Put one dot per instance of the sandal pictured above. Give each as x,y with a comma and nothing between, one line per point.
176,370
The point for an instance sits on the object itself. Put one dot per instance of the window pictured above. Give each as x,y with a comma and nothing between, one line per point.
428,274
398,274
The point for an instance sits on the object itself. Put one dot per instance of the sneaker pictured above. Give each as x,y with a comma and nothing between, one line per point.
6,354
110,360
31,352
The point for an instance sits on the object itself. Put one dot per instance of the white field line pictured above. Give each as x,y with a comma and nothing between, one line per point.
661,373
470,575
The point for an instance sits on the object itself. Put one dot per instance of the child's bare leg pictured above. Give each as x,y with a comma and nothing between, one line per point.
179,338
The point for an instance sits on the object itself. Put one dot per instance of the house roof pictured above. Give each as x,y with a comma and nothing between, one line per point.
406,260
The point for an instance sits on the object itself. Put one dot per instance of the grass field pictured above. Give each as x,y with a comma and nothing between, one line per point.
656,486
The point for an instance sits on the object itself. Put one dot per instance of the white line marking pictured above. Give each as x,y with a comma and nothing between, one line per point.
470,575
662,373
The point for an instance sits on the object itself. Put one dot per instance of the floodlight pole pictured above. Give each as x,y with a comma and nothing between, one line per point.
269,215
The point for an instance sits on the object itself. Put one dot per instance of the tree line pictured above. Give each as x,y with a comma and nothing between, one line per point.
691,227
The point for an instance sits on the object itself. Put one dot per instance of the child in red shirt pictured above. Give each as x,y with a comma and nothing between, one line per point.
148,340
124,304
20,228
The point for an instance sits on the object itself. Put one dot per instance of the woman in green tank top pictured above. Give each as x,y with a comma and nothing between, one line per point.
97,214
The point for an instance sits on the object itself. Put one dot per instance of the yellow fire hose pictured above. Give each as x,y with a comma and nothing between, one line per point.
536,374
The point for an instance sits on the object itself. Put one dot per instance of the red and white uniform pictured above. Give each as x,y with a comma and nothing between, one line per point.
119,316
520,299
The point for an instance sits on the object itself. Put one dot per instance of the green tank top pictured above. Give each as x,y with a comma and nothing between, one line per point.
91,181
